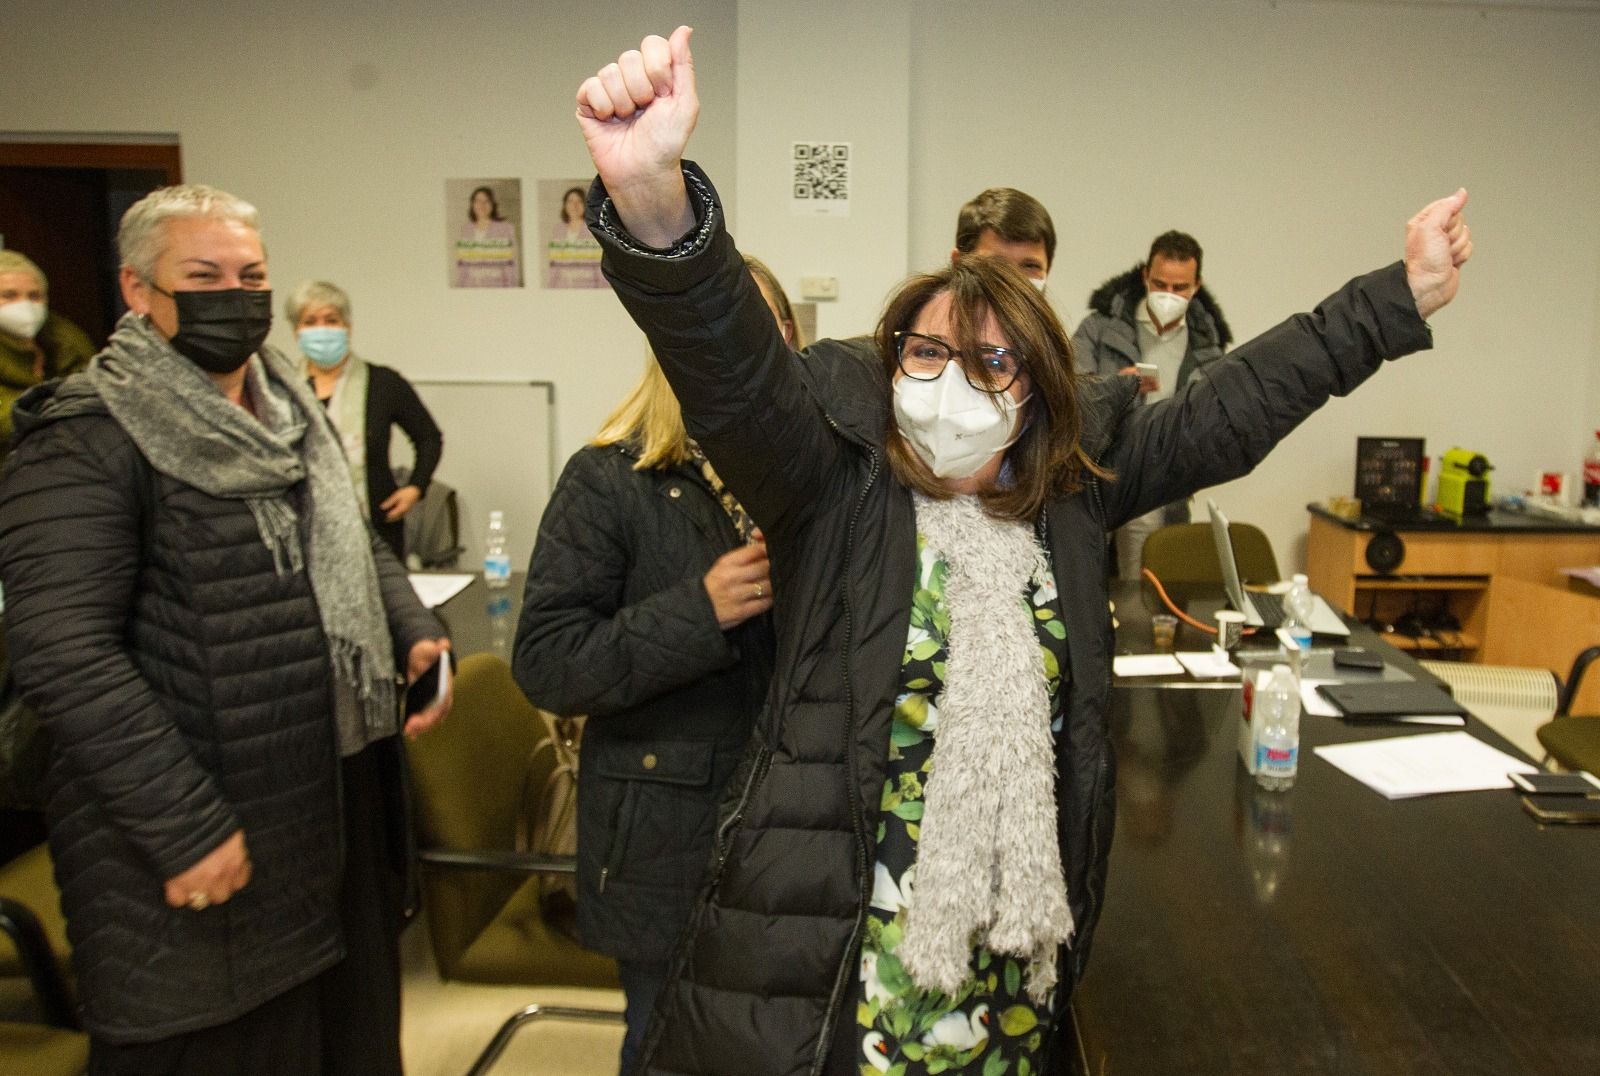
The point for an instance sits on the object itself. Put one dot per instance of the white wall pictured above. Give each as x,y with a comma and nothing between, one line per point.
1293,138
342,123
828,71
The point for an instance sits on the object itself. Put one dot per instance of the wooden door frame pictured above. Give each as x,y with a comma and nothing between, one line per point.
163,157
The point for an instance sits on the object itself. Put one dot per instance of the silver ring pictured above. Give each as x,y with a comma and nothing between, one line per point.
199,902
759,591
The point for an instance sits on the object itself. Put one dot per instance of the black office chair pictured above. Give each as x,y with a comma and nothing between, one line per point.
1574,740
433,529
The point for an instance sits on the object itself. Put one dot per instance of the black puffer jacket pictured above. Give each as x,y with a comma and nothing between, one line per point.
768,968
1107,340
616,623
187,689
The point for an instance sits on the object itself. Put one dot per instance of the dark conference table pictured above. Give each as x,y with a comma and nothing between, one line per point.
479,620
1323,931
1328,930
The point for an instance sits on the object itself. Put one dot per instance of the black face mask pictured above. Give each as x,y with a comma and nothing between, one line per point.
219,330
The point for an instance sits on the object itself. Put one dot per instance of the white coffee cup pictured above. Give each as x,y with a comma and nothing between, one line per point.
1230,629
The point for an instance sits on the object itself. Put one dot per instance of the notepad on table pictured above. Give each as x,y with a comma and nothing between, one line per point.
434,589
1207,664
1146,665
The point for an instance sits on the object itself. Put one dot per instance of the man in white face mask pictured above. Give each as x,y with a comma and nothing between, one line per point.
1011,224
35,344
1156,322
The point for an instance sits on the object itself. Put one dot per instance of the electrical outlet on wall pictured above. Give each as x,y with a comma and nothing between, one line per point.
819,288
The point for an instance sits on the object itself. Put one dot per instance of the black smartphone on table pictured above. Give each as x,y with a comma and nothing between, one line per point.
1581,783
1579,810
1353,657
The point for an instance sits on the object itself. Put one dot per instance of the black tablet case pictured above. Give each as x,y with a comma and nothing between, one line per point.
1390,698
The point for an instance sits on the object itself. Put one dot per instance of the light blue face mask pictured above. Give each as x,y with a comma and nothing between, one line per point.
324,345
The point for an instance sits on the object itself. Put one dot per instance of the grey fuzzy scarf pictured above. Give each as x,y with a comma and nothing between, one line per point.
191,432
988,862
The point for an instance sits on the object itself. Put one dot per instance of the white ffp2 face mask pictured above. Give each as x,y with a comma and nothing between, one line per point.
1168,309
954,428
23,318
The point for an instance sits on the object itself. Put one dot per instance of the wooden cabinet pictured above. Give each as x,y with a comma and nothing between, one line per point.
1499,580
1442,573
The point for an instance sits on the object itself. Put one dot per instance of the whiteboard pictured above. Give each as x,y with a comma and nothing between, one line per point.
499,454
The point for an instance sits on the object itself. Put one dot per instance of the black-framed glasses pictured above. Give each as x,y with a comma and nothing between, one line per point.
924,358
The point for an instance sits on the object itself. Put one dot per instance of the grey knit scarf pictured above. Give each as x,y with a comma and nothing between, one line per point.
988,862
189,431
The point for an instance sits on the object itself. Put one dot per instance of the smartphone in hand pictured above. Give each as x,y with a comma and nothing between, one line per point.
432,687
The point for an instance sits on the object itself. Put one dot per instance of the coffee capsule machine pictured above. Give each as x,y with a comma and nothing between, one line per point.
1463,483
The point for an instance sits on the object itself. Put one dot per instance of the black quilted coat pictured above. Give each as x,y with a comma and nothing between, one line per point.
768,971
616,623
187,689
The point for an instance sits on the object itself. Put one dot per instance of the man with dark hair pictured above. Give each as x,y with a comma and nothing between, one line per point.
1159,316
1011,224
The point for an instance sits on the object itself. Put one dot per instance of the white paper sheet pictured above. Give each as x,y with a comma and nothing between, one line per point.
1423,765
434,589
1146,665
1207,664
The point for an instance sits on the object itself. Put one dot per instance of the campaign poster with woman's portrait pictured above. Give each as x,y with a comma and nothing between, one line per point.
572,256
483,224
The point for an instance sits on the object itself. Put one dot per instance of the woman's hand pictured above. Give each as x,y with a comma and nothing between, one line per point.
398,503
220,874
418,661
1438,244
636,116
740,584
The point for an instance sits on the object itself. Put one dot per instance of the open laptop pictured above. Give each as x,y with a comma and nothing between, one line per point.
1324,621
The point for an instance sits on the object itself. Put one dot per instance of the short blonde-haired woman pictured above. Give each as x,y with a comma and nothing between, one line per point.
644,610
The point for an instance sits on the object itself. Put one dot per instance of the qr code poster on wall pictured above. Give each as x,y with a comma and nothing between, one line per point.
820,186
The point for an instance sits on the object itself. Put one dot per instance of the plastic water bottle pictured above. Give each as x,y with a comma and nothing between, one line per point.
1591,473
496,557
1277,712
1297,608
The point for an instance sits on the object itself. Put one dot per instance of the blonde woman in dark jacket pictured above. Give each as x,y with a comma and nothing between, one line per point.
911,865
645,609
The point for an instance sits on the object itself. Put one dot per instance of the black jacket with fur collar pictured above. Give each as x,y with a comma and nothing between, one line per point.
1107,340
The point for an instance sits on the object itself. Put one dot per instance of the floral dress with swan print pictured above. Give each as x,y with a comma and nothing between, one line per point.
990,1027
